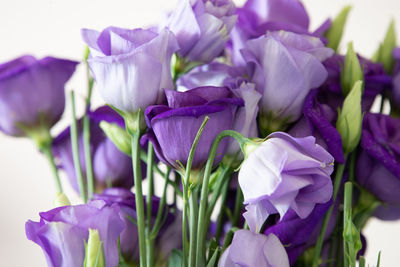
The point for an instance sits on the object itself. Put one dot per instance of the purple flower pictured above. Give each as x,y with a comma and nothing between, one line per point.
378,168
257,17
297,234
32,93
285,66
319,120
249,249
174,127
202,27
109,164
131,67
62,232
168,237
285,173
396,78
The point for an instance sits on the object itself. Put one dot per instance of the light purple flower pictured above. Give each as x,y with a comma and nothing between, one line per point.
32,93
174,127
285,66
131,67
202,27
62,232
285,173
249,249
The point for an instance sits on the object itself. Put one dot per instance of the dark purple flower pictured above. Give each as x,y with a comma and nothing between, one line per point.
131,67
285,66
62,232
257,17
298,234
32,93
284,173
202,27
396,79
109,164
249,249
378,168
174,127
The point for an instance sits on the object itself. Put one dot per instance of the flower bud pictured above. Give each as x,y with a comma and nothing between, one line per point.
94,250
350,118
118,136
61,200
352,71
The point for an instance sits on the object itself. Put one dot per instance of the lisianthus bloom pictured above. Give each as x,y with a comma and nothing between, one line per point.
62,232
249,249
285,66
129,241
396,79
131,67
173,128
202,27
319,120
378,168
110,166
297,234
284,173
218,74
32,93
257,17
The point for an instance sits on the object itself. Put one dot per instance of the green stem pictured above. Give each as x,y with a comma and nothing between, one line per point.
193,208
336,186
347,248
201,230
49,155
186,190
75,150
150,193
238,206
88,156
137,175
222,212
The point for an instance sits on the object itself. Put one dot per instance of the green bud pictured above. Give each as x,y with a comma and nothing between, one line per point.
94,250
61,200
385,49
118,136
335,32
350,118
352,70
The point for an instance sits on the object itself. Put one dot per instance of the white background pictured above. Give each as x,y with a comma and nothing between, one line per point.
52,27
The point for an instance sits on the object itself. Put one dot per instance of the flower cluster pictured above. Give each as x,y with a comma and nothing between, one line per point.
242,105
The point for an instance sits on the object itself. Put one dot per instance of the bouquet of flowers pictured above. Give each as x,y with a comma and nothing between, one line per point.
231,136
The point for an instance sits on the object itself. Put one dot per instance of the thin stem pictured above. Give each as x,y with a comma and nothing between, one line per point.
193,208
320,241
222,212
88,156
150,193
238,206
186,189
348,247
49,155
75,150
137,175
201,230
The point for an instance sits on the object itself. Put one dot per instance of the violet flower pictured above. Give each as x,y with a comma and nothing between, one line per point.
174,127
249,249
285,66
202,27
284,173
32,93
62,232
131,67
109,164
257,17
378,168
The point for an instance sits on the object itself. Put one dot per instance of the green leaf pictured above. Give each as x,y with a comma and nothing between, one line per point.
118,136
384,52
335,32
378,263
361,262
350,117
352,70
175,259
214,259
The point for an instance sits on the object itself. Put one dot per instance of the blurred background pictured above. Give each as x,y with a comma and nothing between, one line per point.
52,27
